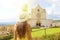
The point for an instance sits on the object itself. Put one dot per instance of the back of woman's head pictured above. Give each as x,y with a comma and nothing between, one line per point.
21,29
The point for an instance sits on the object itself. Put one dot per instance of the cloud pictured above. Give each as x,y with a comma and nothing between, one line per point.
10,9
49,10
53,11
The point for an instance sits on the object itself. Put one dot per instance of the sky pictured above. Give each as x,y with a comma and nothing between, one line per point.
10,9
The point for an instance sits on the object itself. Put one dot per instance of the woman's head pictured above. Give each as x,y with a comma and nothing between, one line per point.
22,24
21,29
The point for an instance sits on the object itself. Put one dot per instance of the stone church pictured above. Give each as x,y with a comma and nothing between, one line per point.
38,14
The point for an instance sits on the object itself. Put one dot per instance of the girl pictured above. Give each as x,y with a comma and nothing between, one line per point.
22,29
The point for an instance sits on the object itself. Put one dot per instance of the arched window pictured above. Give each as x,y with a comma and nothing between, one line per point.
39,24
36,24
50,24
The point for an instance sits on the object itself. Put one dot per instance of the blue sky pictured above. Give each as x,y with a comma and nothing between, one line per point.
10,9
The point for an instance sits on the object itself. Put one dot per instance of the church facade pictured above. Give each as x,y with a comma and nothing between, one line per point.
38,14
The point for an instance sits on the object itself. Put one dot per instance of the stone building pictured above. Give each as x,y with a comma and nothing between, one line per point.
47,23
37,15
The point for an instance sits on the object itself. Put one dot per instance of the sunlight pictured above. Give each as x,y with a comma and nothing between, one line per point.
25,8
11,9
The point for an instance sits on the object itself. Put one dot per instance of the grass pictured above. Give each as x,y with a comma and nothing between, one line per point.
40,32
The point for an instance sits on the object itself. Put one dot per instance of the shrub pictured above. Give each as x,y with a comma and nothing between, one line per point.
6,37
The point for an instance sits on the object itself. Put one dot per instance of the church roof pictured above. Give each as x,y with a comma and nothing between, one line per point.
38,6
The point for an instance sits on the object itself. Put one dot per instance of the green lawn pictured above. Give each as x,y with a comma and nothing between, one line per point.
40,32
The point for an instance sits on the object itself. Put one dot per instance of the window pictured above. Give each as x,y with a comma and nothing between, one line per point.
36,24
38,10
39,24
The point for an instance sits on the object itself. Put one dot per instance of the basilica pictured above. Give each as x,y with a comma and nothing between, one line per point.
39,19
38,14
